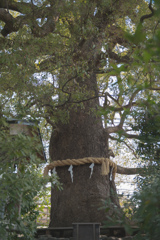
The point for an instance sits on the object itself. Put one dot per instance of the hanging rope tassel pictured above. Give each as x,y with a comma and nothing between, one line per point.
105,167
114,166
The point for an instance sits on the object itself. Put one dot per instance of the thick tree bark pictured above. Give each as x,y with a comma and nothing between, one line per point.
82,136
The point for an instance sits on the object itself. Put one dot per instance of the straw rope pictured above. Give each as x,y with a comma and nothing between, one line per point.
106,164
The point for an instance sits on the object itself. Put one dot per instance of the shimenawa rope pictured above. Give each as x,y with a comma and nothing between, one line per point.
106,164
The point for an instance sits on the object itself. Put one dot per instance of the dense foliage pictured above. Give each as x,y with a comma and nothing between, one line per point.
21,183
149,125
147,199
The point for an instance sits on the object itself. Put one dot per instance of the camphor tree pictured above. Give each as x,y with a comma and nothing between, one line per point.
69,63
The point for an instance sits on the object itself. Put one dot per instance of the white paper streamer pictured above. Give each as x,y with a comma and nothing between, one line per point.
91,167
54,173
111,174
70,169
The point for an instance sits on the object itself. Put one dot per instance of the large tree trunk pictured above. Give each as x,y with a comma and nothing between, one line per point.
82,136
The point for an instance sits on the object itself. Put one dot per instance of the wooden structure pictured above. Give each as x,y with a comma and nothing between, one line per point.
29,128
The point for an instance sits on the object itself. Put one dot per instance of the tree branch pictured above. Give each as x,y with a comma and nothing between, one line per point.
130,171
122,141
122,133
148,15
114,129
155,88
115,100
29,11
127,135
5,16
119,127
20,7
118,109
118,58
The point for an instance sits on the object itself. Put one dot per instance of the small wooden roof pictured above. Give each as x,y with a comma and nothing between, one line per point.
17,126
